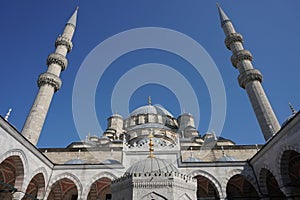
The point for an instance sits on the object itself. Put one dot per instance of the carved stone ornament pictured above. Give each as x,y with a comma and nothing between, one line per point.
56,58
49,79
233,37
249,76
239,56
224,22
61,40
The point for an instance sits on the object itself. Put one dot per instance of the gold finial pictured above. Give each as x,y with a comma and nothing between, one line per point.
151,149
149,100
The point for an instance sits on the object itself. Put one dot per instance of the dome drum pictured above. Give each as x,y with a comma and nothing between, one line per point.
141,135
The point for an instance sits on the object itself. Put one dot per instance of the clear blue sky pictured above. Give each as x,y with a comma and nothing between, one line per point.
270,29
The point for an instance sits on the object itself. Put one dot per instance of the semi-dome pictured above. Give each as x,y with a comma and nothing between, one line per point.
151,109
151,165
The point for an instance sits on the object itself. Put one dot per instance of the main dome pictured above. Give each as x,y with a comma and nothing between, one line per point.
151,165
151,109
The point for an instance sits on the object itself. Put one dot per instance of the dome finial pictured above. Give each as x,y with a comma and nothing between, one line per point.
8,114
292,108
151,149
149,100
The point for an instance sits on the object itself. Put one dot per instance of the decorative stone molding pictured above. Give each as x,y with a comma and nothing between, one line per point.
42,171
56,58
61,40
248,76
21,166
239,56
16,152
49,79
224,22
233,37
72,25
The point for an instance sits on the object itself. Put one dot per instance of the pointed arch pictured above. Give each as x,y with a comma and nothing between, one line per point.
249,177
14,162
290,170
63,183
215,183
36,186
239,187
99,185
269,185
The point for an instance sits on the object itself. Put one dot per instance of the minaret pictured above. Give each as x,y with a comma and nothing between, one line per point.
250,79
49,82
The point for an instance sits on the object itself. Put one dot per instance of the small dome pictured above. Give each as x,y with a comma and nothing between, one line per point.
192,159
150,109
75,161
116,115
227,158
151,165
110,161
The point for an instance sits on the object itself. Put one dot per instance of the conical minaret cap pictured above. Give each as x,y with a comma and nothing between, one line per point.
223,16
73,18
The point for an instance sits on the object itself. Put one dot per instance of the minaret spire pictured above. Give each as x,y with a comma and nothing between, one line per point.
223,16
249,79
73,18
49,82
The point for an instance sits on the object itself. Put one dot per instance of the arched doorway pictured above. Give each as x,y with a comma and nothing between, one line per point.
35,188
63,189
238,187
100,190
206,189
269,185
290,172
11,176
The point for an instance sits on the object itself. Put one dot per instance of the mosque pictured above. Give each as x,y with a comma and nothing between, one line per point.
151,154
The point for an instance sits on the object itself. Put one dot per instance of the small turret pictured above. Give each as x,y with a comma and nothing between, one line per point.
114,127
186,126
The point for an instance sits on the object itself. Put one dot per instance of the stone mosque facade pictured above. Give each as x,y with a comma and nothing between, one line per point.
151,154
